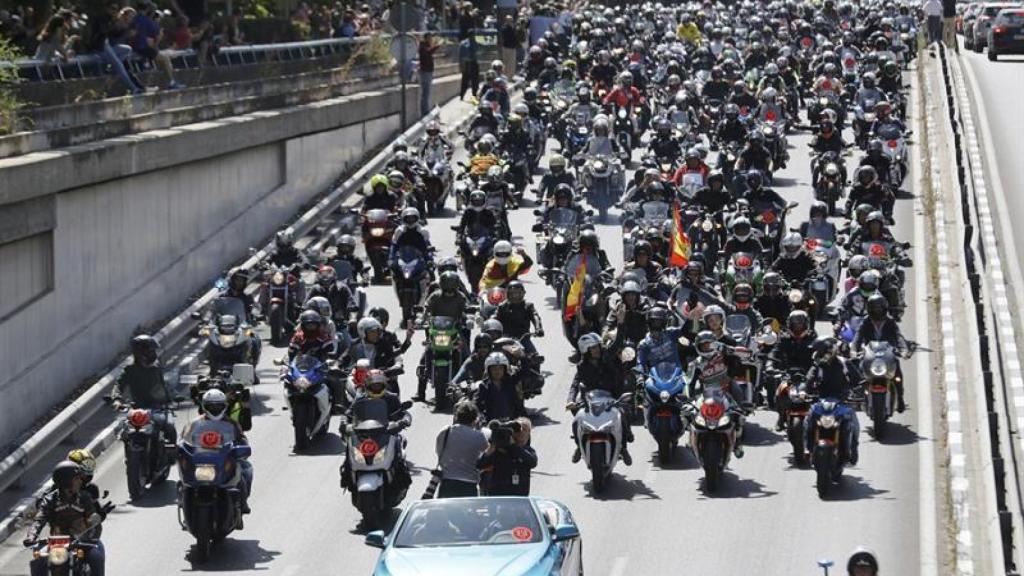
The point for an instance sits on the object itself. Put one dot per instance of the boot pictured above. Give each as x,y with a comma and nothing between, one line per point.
780,422
624,454
737,450
577,455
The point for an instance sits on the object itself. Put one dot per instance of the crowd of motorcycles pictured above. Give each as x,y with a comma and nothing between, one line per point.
701,328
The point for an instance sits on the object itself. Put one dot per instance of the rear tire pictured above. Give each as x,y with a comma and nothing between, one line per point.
797,442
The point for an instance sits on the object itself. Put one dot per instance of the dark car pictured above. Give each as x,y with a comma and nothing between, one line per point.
976,34
1006,35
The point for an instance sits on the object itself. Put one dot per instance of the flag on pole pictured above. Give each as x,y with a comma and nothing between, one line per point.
574,299
680,254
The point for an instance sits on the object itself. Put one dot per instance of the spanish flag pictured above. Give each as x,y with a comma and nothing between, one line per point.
574,299
680,255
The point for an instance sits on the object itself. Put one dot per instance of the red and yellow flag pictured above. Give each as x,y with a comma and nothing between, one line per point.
680,254
574,299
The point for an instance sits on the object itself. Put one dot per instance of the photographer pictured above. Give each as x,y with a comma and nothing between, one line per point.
459,446
506,464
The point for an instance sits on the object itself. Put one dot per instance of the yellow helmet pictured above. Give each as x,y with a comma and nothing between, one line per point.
571,64
84,458
378,180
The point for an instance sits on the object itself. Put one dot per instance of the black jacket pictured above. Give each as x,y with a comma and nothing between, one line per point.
829,380
506,471
142,385
794,269
516,318
65,514
791,352
500,402
605,374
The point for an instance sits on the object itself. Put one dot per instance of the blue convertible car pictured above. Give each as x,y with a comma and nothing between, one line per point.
496,536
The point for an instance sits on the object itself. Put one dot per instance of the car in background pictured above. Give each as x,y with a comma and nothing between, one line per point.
488,536
976,35
967,17
1006,35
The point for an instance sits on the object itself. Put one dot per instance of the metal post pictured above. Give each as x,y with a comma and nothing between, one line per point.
403,60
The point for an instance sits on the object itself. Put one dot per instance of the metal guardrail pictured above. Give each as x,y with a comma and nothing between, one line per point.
71,418
94,65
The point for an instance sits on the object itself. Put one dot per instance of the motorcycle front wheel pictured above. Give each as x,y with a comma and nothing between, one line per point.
713,452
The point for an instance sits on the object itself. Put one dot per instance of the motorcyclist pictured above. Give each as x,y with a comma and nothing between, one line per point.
381,197
714,367
485,120
625,95
692,165
742,303
772,79
534,63
731,129
557,175
477,215
828,139
383,353
87,463
236,289
506,265
877,159
497,396
688,31
499,197
213,418
794,263
142,385
598,369
867,189
603,72
854,303
628,319
68,510
663,144
472,369
584,108
447,301
773,303
818,226
879,326
285,252
435,140
891,81
873,230
375,390
517,316
884,118
661,342
549,74
829,378
649,188
340,338
760,197
345,252
868,93
389,338
741,239
743,97
410,233
828,84
601,143
642,260
515,140
311,338
590,250
793,351
713,196
497,95
337,294
862,563
717,87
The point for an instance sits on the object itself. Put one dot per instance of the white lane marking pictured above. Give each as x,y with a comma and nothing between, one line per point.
619,566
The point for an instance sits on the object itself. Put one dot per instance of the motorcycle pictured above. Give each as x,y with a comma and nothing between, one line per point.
347,275
411,278
305,383
713,434
531,380
864,117
373,445
148,455
577,135
738,327
555,238
282,295
208,507
827,436
879,366
378,229
895,150
475,249
230,340
798,407
664,408
444,357
822,282
742,268
603,179
623,129
640,217
66,554
829,186
437,184
599,431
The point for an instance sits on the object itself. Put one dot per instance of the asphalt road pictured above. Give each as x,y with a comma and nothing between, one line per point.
767,517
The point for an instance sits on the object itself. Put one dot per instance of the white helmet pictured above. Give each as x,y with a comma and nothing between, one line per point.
588,341
215,404
791,244
496,359
502,252
367,325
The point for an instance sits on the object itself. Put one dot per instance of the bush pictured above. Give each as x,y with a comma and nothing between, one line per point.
10,105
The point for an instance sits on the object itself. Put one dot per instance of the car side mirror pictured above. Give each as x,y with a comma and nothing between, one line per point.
562,533
375,539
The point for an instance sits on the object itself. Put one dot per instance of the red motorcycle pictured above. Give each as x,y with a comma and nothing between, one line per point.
378,228
281,297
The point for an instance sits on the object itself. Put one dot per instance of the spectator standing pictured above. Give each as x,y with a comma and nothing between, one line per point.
52,39
505,467
509,36
427,48
468,66
523,31
949,25
146,39
933,11
181,36
459,447
348,28
109,32
467,20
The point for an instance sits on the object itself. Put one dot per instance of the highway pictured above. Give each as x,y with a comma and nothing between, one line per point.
766,519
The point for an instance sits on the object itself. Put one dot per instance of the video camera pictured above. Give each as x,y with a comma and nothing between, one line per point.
502,432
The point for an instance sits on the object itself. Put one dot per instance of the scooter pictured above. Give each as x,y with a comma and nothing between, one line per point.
599,431
373,446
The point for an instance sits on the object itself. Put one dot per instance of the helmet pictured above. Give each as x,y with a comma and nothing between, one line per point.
516,292
515,121
797,322
706,343
716,176
772,69
85,460
563,191
496,359
601,126
214,403
433,128
877,306
400,157
823,349
875,146
791,244
641,246
376,383
529,94
448,264
483,342
629,287
310,321
866,175
283,239
875,216
410,216
626,79
740,228
694,266
502,252
754,178
477,200
732,111
557,163
380,314
493,328
713,310
858,264
550,63
522,109
145,348
692,153
238,280
772,280
367,325
819,208
320,305
483,145
326,276
742,294
378,180
396,179
64,473
862,557
449,282
346,244
587,341
867,282
588,239
869,80
657,318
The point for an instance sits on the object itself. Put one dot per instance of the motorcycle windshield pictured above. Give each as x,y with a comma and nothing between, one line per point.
343,269
306,363
409,255
562,217
889,131
442,323
636,275
655,211
229,306
368,410
680,119
665,376
377,216
599,400
738,324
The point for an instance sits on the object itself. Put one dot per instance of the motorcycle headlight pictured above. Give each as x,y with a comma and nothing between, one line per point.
665,396
442,340
227,340
302,383
376,232
707,226
796,296
767,131
628,354
559,240
206,473
278,278
827,421
831,170
878,368
58,556
599,166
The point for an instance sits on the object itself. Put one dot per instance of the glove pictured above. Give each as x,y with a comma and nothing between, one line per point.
540,333
29,542
569,406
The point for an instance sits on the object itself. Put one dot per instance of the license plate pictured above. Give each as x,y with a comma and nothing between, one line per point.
819,285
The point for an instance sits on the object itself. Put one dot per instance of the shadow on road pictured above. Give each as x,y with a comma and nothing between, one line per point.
855,488
756,435
733,486
163,494
329,444
897,434
621,488
233,555
540,417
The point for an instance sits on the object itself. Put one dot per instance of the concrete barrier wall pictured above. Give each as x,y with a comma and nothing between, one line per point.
129,250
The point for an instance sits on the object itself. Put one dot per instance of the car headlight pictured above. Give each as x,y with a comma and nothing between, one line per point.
227,340
206,473
58,556
827,421
665,396
628,354
442,340
302,383
878,368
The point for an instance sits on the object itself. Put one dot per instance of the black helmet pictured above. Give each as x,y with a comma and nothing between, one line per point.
238,280
823,349
310,320
866,175
64,473
483,342
657,318
642,246
145,348
449,282
563,191
754,178
448,264
877,306
529,94
588,239
772,280
819,208
742,293
716,176
516,291
875,146
862,558
381,314
797,322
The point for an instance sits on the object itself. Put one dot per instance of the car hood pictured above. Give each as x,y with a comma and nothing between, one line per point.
501,560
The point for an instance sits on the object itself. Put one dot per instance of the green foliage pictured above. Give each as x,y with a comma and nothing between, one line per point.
10,105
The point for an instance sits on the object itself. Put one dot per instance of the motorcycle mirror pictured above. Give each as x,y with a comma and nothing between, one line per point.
537,212
538,227
683,341
626,398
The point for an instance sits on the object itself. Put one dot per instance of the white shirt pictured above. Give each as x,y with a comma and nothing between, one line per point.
932,7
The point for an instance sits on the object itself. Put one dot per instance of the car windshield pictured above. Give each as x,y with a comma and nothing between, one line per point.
469,522
1011,18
